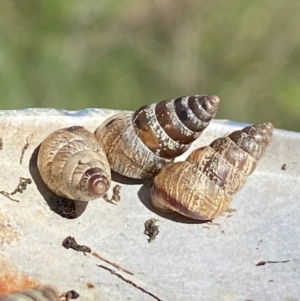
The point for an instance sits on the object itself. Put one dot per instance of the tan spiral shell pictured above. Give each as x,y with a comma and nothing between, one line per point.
202,186
73,165
42,293
138,145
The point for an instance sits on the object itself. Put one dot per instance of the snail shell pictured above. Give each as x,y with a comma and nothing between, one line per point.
138,145
202,186
43,293
73,165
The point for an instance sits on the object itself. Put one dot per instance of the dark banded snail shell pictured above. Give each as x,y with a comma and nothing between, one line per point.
138,145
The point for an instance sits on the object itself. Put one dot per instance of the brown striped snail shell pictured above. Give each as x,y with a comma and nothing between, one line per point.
73,165
138,145
202,186
43,293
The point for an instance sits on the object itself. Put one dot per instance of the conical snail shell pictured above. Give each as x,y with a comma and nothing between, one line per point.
202,186
73,165
138,145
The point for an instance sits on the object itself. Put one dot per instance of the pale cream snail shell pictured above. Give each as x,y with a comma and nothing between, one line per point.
41,293
138,145
202,186
73,165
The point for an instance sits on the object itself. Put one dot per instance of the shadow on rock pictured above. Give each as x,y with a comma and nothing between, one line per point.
116,177
64,207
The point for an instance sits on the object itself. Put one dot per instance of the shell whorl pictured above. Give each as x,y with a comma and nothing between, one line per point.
73,165
167,128
202,187
126,153
43,293
140,144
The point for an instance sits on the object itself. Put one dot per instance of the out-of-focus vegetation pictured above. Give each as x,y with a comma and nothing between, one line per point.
123,54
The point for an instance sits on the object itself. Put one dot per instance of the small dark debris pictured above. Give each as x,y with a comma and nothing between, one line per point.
151,229
70,242
1,143
283,167
7,194
230,210
90,285
271,280
258,243
261,263
70,295
115,195
25,147
270,261
213,223
66,208
23,182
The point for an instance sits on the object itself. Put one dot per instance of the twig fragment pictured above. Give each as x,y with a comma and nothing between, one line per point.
270,261
6,194
25,147
112,263
129,282
23,182
70,243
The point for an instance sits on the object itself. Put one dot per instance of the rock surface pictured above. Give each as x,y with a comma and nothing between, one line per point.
186,261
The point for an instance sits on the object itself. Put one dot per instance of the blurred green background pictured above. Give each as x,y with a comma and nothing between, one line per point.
123,54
